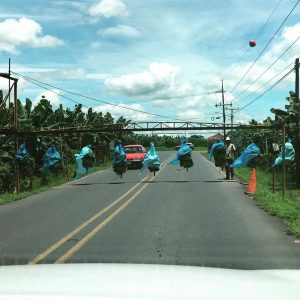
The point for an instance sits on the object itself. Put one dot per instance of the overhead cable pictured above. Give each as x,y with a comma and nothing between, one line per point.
43,85
255,38
266,46
266,91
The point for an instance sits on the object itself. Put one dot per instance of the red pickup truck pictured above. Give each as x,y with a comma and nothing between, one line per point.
135,155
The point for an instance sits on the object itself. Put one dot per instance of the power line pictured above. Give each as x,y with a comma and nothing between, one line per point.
239,60
54,92
269,42
268,67
266,91
42,85
270,16
256,37
265,83
149,100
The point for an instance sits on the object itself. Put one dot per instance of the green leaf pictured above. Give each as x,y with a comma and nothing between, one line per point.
279,112
4,117
28,107
5,154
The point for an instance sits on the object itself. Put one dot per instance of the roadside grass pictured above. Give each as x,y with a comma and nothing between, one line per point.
53,181
201,149
205,154
287,207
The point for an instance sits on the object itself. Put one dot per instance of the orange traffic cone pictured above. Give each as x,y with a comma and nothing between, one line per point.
252,184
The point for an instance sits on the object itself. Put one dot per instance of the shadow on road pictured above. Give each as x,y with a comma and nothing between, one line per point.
156,181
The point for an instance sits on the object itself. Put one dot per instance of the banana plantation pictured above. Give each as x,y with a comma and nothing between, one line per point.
43,117
284,128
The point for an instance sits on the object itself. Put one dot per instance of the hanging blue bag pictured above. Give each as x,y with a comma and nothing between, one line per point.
21,155
183,157
151,160
51,158
289,154
251,152
119,162
81,167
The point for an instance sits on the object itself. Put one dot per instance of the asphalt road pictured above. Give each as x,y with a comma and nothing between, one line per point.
177,217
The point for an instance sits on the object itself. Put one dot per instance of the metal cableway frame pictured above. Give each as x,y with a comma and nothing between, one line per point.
135,127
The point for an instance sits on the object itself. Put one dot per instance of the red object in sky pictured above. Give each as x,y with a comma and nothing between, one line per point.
252,43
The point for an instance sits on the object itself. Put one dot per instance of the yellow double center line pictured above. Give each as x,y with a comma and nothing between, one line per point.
99,227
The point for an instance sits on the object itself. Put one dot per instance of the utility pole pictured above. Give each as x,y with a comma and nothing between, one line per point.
224,117
283,159
223,107
8,83
297,123
16,127
232,110
15,124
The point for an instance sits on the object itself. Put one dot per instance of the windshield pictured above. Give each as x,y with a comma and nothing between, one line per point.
133,150
80,80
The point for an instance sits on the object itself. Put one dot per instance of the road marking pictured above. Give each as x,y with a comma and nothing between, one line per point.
82,226
56,245
100,226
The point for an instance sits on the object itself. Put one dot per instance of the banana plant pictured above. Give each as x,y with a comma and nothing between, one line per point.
291,113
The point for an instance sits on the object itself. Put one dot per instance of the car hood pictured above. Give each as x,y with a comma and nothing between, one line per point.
132,156
127,281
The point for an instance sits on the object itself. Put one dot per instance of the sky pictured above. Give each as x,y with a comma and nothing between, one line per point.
165,57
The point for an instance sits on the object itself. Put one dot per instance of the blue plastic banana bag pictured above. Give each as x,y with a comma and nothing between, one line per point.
80,169
183,150
119,156
21,154
51,158
289,154
214,147
151,160
248,154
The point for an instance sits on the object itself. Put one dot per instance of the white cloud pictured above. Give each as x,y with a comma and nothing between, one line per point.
108,9
243,118
197,108
190,114
52,96
157,77
159,103
75,4
97,76
50,75
96,45
24,32
117,111
74,73
120,31
22,84
158,87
